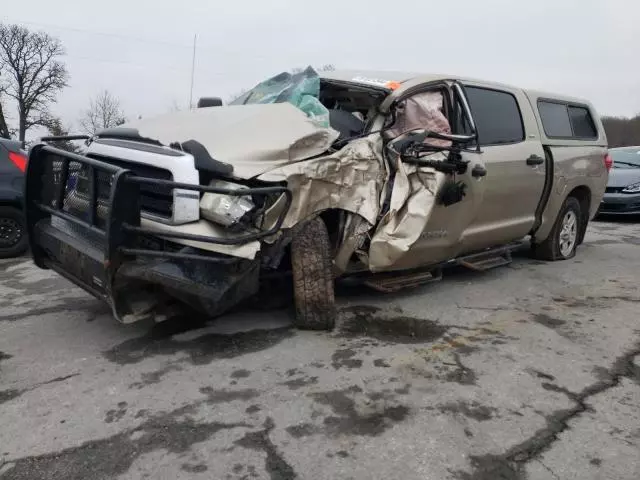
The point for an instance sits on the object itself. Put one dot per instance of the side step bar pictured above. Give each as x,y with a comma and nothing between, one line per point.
480,261
493,258
394,282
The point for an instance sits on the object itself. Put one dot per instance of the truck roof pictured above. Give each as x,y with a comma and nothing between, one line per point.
381,79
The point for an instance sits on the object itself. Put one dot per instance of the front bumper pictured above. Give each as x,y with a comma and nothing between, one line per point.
620,204
104,249
145,288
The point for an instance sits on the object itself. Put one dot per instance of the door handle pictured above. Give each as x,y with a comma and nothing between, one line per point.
534,160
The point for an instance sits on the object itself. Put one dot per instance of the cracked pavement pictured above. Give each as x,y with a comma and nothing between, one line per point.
526,372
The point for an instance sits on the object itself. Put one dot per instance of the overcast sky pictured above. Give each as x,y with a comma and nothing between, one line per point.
141,50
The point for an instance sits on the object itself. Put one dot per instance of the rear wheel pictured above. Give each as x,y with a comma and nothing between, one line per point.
565,235
313,277
13,234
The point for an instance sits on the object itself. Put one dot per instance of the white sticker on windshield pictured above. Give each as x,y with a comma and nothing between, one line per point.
372,81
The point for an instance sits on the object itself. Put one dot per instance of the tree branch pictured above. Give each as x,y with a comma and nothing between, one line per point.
104,112
36,76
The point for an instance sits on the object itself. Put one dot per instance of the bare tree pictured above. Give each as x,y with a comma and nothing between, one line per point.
622,131
104,112
34,73
4,127
56,128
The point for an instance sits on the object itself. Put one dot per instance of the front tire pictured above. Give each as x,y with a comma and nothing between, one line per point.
565,235
313,283
13,233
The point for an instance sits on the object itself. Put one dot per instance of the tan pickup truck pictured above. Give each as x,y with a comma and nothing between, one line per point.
386,178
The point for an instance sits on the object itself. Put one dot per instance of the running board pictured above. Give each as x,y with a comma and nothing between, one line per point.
389,283
496,257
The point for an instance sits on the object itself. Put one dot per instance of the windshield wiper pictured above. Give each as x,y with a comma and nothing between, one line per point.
618,162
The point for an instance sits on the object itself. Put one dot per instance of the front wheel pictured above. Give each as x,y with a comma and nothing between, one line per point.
13,234
565,235
313,277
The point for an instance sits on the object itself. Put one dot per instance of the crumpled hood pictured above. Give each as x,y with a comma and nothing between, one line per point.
622,177
252,138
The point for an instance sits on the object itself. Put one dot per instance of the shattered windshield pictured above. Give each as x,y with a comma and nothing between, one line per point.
300,89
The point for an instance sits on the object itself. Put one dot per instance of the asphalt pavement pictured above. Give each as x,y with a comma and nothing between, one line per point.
530,371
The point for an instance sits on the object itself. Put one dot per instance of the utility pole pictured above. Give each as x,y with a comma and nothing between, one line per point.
193,69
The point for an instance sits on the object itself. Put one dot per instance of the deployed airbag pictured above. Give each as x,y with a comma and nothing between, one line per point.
423,110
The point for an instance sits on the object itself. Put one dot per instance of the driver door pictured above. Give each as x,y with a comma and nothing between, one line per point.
419,229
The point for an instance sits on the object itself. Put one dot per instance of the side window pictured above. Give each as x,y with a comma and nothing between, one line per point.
560,120
496,115
555,119
582,122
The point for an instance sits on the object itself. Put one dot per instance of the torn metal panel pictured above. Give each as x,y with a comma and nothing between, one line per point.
354,234
350,179
414,189
413,198
357,179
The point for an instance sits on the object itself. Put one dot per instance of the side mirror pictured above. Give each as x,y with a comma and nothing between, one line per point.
206,102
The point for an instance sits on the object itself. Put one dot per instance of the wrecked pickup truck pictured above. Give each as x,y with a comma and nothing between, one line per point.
382,177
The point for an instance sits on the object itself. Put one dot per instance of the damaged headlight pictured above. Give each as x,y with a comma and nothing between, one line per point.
226,210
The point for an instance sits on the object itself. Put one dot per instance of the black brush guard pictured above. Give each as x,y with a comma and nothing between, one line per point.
90,249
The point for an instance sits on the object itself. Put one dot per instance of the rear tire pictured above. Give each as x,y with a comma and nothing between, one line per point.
565,236
313,283
13,232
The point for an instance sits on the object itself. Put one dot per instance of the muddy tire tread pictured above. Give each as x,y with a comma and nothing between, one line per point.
313,282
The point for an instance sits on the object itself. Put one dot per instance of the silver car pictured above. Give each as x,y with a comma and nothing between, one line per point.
622,196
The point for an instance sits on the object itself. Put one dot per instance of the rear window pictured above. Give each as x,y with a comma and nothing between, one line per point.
496,115
561,120
582,122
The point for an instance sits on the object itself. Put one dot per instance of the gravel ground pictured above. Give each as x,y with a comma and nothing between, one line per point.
531,371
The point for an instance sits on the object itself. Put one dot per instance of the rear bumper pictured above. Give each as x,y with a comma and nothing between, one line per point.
620,204
109,254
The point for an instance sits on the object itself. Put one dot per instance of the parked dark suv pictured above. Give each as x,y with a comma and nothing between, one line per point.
13,162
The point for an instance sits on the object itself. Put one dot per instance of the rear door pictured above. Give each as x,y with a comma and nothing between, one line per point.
514,158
